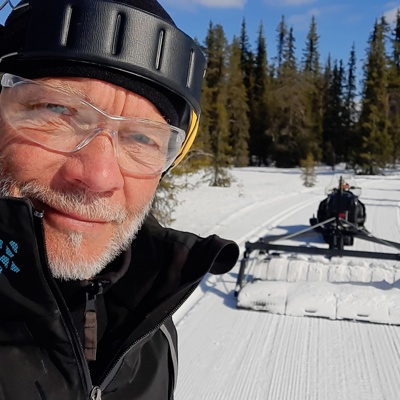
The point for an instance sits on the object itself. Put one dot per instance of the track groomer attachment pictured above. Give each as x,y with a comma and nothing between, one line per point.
333,282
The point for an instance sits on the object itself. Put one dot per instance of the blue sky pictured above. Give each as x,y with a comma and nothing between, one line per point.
339,22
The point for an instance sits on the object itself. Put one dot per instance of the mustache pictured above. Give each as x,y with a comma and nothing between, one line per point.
80,202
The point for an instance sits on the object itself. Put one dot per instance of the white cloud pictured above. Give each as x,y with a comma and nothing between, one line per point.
392,4
290,2
222,3
302,21
299,21
314,12
390,15
190,4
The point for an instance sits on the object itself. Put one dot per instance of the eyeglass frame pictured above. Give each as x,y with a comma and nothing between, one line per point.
8,82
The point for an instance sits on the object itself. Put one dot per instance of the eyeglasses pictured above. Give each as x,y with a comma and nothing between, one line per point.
60,121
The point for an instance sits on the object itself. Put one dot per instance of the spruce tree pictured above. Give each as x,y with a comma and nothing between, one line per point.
247,64
259,123
199,155
311,62
333,123
314,98
288,125
289,53
328,151
394,91
246,58
350,110
375,142
237,108
216,49
396,42
282,41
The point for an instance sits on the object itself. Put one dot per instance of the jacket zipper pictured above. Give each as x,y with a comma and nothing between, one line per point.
69,324
94,391
113,370
95,394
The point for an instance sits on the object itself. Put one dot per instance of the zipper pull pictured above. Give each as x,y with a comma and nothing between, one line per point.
38,214
90,324
95,394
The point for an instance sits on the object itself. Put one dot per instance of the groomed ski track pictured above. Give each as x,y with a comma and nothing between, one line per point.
231,354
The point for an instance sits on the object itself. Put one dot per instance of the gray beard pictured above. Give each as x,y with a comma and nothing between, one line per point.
62,267
67,264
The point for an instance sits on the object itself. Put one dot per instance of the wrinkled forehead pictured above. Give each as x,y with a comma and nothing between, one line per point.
112,99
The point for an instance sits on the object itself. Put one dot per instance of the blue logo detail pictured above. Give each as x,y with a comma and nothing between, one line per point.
8,251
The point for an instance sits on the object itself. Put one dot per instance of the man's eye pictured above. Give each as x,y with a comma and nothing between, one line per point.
142,139
57,108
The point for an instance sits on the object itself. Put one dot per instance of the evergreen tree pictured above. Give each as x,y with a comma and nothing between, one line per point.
375,142
333,122
394,92
288,110
311,52
246,57
396,42
199,155
237,108
247,66
259,123
289,53
328,152
314,97
216,113
282,41
350,116
288,125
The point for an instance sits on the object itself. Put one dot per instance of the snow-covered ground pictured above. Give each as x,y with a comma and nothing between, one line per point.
234,354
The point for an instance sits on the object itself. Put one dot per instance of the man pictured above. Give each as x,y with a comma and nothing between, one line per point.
98,100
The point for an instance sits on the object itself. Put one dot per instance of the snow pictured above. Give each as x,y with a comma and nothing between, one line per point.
228,353
314,286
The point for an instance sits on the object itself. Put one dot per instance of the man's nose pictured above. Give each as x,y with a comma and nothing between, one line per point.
95,166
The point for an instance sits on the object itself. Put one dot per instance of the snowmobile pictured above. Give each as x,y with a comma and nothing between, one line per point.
312,280
339,214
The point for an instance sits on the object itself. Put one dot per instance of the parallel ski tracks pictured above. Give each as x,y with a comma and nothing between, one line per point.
289,358
230,354
252,233
267,217
381,373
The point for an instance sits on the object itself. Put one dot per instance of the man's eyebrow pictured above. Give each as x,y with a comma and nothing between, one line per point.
65,87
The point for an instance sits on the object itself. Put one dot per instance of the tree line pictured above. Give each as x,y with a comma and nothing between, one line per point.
284,110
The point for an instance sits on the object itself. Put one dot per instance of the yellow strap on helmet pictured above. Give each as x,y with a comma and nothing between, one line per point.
187,144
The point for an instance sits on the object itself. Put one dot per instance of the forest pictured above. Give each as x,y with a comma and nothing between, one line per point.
292,110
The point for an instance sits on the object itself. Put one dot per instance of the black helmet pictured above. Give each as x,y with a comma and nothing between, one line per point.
131,43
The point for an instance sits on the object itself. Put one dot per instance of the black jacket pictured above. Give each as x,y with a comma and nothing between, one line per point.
41,354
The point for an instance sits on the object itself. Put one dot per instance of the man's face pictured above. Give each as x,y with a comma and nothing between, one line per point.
92,207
